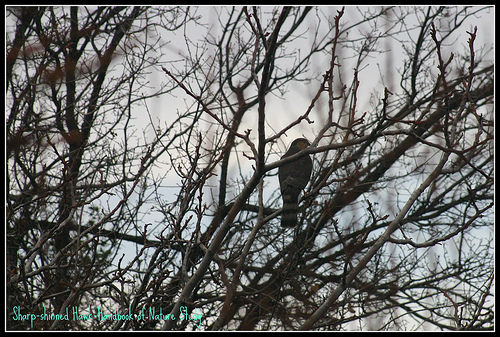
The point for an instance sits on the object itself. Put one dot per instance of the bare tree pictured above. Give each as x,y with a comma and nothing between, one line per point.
74,76
395,227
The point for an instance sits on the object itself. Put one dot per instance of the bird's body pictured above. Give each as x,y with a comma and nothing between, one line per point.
293,179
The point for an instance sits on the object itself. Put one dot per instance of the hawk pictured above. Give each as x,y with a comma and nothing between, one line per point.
293,179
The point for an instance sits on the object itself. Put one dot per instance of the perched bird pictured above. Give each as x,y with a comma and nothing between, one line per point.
293,179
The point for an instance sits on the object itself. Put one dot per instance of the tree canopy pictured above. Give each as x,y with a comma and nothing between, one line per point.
142,147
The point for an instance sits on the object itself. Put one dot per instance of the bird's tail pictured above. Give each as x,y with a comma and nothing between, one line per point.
289,214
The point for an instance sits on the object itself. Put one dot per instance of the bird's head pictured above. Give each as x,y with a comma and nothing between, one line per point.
301,143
